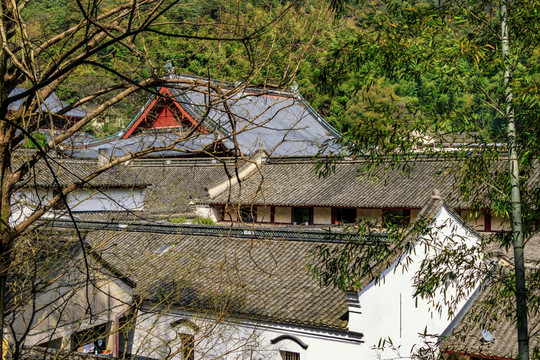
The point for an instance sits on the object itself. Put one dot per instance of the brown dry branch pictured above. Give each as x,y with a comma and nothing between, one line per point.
42,281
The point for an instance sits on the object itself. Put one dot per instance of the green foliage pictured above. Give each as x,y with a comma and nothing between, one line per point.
398,57
203,221
443,70
178,220
40,138
257,49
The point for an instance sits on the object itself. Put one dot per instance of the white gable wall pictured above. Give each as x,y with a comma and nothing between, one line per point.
207,211
24,203
388,308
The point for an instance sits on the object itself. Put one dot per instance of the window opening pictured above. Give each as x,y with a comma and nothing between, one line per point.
289,355
125,333
302,215
60,204
396,217
248,214
188,346
92,340
345,215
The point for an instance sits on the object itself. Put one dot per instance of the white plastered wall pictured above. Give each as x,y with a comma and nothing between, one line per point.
499,224
369,214
476,222
157,337
118,199
390,311
322,215
25,202
264,214
65,307
283,215
207,211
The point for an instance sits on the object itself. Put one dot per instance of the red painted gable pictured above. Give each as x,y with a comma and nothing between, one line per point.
165,119
163,113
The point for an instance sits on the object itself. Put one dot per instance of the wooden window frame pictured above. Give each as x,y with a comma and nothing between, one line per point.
310,215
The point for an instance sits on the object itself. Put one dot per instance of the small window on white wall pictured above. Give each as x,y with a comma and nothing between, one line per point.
290,347
186,331
289,355
60,204
188,346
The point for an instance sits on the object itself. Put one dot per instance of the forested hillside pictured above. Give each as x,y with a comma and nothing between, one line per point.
369,62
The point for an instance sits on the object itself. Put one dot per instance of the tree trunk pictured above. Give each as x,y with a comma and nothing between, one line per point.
517,225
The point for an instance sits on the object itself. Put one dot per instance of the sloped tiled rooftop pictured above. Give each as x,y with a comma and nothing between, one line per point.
495,313
162,143
296,183
69,171
281,123
256,274
51,104
255,278
175,185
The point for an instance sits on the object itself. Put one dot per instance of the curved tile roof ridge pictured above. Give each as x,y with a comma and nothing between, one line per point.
267,88
350,160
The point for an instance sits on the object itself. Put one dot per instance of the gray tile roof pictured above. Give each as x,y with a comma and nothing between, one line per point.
494,312
68,171
52,104
281,123
127,217
175,185
257,275
88,147
290,183
494,249
255,278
